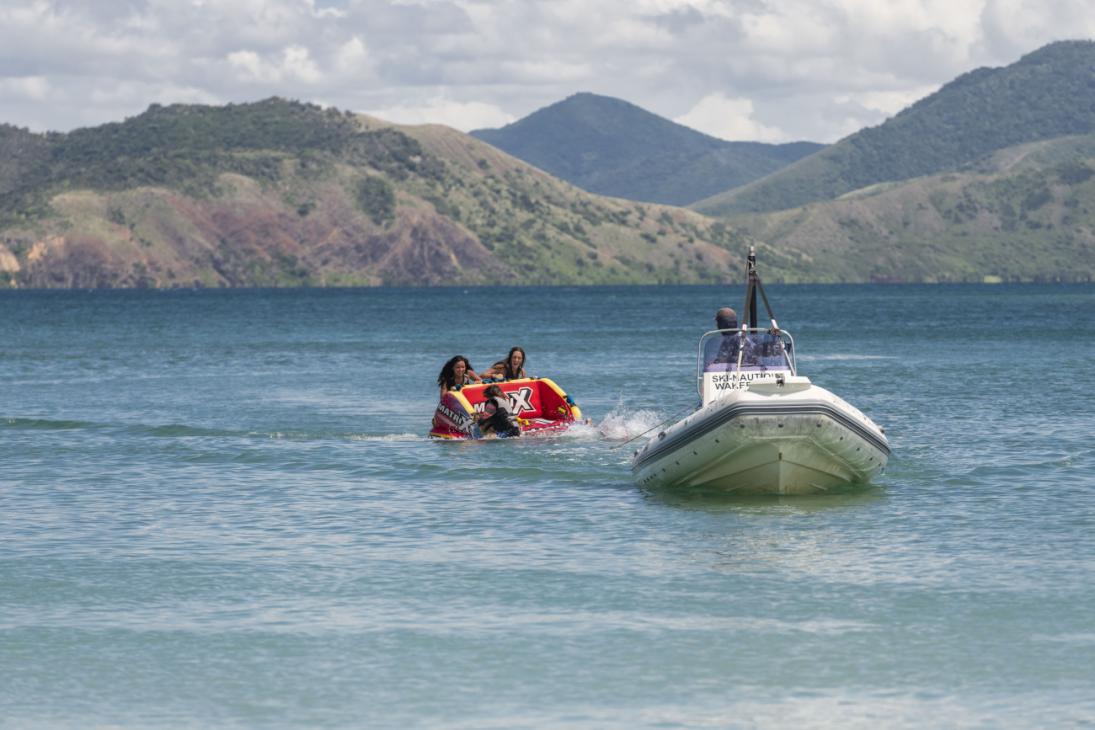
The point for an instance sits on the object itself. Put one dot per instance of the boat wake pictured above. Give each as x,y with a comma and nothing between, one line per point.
621,425
390,437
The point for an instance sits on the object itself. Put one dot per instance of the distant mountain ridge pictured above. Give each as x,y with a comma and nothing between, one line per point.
1025,213
1046,94
612,147
281,193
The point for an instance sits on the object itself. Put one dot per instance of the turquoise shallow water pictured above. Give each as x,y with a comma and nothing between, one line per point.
218,508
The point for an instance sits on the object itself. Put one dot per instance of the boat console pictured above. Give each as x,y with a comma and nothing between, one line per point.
734,359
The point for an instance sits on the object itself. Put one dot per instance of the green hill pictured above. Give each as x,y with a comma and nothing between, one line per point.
610,147
279,193
1044,95
21,152
1025,213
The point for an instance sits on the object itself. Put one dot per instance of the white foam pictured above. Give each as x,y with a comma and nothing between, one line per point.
580,431
390,437
620,424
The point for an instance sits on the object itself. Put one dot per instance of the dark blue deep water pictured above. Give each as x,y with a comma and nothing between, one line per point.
219,508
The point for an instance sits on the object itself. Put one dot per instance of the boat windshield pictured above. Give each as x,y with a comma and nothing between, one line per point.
752,351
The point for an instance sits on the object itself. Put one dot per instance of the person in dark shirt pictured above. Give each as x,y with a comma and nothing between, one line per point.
726,319
496,417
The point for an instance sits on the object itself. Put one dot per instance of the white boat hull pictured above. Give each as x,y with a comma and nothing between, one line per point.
788,439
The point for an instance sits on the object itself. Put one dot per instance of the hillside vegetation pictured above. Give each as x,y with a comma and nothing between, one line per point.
280,193
611,147
1025,213
1044,95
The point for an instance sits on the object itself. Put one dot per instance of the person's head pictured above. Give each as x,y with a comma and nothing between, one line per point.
453,372
493,391
515,360
726,319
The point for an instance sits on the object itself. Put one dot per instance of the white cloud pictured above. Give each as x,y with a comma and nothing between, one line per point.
250,67
352,57
887,102
730,119
1019,26
33,88
464,116
761,69
297,63
106,93
290,64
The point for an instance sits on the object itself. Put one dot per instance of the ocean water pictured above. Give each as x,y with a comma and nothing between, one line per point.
219,508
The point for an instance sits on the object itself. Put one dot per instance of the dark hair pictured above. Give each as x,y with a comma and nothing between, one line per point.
508,363
493,390
447,378
726,319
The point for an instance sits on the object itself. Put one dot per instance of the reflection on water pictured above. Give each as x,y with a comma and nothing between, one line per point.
849,497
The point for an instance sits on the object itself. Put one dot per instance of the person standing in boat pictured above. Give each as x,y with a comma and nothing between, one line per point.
496,417
456,373
512,368
724,350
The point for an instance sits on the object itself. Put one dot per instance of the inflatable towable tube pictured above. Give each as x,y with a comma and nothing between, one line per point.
538,405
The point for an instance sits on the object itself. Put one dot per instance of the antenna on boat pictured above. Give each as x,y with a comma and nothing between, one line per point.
752,286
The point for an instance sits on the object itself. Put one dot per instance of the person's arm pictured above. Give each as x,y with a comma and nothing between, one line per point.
473,376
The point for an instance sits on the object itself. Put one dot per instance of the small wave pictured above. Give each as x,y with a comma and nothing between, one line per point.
171,430
327,436
48,424
845,356
389,437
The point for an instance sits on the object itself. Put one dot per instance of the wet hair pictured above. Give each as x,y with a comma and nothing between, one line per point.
447,378
726,319
507,364
492,391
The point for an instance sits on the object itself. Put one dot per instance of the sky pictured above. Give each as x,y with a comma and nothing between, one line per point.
759,70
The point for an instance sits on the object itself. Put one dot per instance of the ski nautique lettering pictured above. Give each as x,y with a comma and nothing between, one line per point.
740,380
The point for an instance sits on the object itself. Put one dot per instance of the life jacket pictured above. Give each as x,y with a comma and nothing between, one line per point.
501,422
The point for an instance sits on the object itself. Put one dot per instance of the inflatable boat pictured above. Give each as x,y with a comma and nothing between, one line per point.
538,405
761,428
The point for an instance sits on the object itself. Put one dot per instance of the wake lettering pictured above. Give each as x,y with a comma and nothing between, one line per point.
738,381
